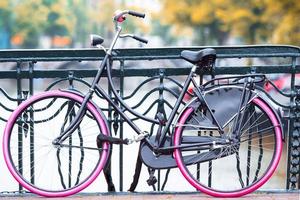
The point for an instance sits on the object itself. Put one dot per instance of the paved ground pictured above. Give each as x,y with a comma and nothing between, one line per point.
158,196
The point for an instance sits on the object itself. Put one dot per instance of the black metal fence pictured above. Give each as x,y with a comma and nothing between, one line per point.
25,70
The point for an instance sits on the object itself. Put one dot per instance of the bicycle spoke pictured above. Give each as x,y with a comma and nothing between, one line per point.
55,168
246,160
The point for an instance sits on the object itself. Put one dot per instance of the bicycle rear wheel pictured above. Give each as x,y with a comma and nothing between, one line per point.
230,170
54,170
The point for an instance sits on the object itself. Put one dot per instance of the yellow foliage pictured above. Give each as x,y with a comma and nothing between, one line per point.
285,17
66,18
101,14
202,13
253,20
288,30
182,32
4,4
34,17
172,11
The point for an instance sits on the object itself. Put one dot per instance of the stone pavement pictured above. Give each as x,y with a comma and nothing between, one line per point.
157,196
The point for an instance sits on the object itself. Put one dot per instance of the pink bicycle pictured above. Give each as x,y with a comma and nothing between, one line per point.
56,143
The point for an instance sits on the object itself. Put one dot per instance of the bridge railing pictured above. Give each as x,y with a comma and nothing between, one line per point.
25,72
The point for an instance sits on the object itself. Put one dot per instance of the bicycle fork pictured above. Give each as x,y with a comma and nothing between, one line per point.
78,117
74,123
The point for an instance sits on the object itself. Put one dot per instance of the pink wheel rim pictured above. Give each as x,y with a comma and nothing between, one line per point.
241,192
28,186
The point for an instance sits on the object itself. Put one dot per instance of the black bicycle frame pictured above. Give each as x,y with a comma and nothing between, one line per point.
106,64
95,87
171,117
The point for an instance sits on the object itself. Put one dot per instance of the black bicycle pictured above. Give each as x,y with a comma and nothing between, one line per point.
224,128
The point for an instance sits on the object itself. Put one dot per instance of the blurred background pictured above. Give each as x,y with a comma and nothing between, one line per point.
67,23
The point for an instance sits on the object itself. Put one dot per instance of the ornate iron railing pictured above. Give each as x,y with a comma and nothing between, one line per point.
29,66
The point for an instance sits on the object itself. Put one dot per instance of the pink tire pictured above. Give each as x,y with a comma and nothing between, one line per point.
249,165
50,170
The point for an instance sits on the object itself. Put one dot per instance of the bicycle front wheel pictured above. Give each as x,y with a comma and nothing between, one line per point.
235,169
54,170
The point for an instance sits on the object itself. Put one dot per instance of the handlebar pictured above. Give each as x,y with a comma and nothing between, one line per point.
120,16
140,39
136,14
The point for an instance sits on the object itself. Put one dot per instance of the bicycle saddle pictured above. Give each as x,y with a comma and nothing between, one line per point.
204,57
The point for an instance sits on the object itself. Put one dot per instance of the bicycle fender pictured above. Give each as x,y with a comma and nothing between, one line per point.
224,102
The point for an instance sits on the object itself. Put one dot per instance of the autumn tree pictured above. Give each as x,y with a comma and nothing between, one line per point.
200,15
253,21
30,21
60,19
5,14
82,23
262,20
34,18
284,17
245,19
5,20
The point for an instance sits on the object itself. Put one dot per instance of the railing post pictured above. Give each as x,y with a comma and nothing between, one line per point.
293,176
20,130
71,80
160,109
31,125
121,124
294,144
110,122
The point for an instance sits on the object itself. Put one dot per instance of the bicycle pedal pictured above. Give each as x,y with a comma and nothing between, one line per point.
152,180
